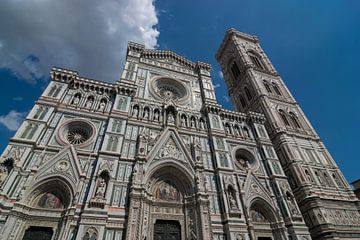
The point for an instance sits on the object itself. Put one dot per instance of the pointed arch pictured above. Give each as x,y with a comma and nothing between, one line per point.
284,117
57,186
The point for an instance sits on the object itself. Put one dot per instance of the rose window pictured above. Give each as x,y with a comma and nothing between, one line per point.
76,132
77,136
169,89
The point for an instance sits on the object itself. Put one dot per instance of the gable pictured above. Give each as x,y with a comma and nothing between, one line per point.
170,146
65,164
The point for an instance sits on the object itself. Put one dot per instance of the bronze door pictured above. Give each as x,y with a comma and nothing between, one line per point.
167,230
38,233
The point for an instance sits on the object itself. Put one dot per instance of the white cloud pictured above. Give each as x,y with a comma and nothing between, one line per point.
12,120
216,85
227,99
88,36
221,75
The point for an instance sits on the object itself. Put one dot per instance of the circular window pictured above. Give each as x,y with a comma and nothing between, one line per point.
244,159
169,89
76,132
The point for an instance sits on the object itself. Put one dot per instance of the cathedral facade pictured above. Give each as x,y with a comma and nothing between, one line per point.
154,156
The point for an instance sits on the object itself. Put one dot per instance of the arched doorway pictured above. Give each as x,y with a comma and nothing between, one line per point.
166,208
264,222
172,204
49,200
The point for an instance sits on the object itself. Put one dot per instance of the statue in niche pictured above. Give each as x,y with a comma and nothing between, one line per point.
50,201
102,105
232,200
183,121
146,113
170,117
216,122
228,129
261,131
290,199
202,124
144,138
135,111
192,230
91,234
89,103
246,132
193,123
167,192
197,149
100,191
156,116
76,99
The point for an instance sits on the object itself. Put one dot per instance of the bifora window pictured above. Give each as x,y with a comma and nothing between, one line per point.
256,61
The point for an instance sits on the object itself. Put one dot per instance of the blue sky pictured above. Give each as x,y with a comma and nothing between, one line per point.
314,45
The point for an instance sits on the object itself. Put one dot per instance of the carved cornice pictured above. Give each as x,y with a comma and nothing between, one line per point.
230,33
76,81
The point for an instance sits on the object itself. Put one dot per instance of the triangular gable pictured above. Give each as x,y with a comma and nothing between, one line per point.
254,188
65,164
170,146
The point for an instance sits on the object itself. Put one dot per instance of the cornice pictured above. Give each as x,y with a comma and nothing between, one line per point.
230,33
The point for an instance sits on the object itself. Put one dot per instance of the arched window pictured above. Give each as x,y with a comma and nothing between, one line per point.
276,89
242,101
235,70
294,120
248,94
256,61
267,86
283,117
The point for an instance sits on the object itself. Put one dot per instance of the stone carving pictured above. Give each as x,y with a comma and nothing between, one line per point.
90,234
156,116
102,105
76,99
193,123
290,199
232,198
135,111
50,201
146,113
170,150
170,118
183,121
101,189
192,230
166,192
62,166
197,150
202,124
144,138
89,102
239,236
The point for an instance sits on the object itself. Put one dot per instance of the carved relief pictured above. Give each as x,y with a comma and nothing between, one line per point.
170,150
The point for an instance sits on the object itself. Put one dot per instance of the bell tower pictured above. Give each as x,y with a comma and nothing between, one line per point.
328,204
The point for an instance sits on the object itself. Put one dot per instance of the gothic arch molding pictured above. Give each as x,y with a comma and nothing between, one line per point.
172,170
56,184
